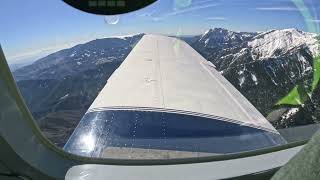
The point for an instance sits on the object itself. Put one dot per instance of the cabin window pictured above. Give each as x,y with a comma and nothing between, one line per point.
263,55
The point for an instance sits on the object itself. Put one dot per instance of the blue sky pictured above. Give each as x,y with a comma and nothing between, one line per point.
33,28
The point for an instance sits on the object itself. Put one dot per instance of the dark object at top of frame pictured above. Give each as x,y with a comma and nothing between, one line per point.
109,7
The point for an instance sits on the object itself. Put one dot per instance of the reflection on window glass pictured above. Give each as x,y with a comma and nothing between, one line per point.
181,78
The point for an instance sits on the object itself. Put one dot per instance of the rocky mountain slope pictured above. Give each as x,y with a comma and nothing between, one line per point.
264,67
69,62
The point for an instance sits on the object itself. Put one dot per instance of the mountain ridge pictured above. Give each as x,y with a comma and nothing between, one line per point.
83,56
265,67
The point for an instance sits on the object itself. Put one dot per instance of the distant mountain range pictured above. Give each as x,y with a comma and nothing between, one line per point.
17,65
80,58
263,66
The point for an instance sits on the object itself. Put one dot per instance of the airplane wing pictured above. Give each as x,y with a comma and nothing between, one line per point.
165,96
26,154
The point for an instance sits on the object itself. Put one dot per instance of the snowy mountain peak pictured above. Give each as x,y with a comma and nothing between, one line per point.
217,32
223,37
270,43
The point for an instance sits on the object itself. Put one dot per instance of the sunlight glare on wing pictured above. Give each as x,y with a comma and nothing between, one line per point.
88,141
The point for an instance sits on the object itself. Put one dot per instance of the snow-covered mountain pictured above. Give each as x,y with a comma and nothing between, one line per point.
263,66
228,48
273,43
219,37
